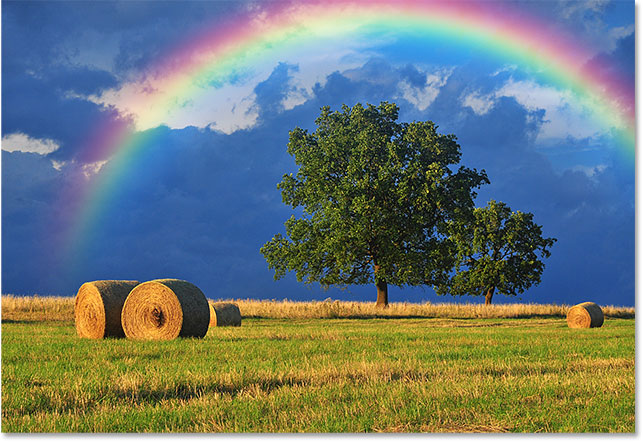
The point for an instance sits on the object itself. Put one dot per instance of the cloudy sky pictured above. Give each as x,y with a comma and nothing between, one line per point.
199,197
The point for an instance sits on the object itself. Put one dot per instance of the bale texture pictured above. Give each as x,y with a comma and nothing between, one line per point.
98,307
224,314
585,315
165,309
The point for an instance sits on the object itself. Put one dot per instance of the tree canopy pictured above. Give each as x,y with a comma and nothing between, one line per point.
497,250
376,196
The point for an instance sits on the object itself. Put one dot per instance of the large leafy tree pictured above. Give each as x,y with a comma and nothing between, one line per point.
376,196
497,250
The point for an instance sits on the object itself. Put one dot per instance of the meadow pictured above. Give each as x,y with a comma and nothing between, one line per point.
324,367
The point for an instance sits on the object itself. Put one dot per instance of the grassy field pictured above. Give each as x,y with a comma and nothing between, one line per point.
327,367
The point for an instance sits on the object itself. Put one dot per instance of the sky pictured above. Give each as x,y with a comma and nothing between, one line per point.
135,147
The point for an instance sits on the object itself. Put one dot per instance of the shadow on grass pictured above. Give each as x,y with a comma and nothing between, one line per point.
363,317
186,391
37,320
460,318
64,402
19,321
623,315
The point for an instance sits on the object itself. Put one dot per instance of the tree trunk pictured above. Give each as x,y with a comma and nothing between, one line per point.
489,295
382,294
382,290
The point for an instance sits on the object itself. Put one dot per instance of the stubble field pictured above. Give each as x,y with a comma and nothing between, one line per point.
324,367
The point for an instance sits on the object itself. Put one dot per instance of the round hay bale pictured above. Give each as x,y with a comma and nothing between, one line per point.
585,315
98,306
224,314
165,309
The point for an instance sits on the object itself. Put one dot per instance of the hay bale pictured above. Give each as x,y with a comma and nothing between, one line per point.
98,306
224,314
585,315
165,309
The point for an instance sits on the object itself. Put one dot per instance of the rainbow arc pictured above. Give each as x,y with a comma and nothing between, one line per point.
246,41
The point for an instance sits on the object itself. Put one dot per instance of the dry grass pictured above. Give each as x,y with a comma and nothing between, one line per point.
338,309
50,308
37,308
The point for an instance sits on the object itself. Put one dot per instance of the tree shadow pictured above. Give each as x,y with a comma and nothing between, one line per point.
186,391
19,321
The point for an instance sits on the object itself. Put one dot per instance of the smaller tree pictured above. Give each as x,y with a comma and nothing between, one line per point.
497,250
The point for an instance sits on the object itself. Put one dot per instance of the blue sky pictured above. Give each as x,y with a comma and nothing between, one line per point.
206,200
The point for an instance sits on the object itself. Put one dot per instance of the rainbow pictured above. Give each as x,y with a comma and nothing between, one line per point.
249,40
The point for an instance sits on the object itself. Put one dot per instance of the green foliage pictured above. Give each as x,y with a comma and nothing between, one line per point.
376,198
497,249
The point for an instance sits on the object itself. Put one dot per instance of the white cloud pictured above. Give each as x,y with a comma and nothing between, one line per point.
589,21
92,168
616,34
505,68
151,103
58,165
573,8
564,115
314,67
24,143
88,170
230,104
479,103
422,97
298,95
590,171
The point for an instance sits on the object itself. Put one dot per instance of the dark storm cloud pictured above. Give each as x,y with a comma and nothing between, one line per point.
54,53
44,46
37,33
618,65
592,217
411,74
41,108
271,92
80,80
199,207
200,210
29,190
202,203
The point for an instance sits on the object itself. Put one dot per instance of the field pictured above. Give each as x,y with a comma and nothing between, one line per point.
324,367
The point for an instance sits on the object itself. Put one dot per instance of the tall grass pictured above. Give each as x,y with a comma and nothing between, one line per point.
50,308
37,308
340,309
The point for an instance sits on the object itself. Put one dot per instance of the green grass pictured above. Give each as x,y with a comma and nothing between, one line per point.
325,375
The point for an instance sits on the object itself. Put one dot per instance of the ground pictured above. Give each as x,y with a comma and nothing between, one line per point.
370,374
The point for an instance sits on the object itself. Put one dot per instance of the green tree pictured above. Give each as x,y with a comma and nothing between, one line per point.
376,196
497,250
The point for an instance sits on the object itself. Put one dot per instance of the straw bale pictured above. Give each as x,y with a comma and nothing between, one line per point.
224,314
585,315
98,306
165,309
